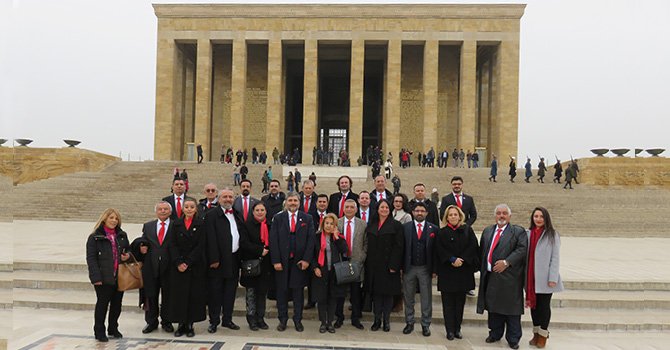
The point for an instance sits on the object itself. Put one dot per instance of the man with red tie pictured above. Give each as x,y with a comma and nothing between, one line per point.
243,203
420,197
154,252
460,199
364,206
308,197
380,192
504,248
353,230
210,201
176,200
337,199
292,240
317,216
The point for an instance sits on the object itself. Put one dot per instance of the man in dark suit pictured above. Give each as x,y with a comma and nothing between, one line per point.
157,238
365,210
417,267
420,196
308,197
502,275
380,192
337,199
244,202
292,240
274,201
321,210
223,228
176,200
210,201
460,199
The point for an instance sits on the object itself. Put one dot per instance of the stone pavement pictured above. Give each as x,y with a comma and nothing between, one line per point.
613,280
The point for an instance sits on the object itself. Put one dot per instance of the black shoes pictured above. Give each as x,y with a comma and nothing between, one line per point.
357,324
375,326
425,330
323,328
458,335
330,329
281,326
514,345
115,334
298,326
168,327
338,323
261,324
231,325
149,328
211,328
409,328
252,323
490,339
102,338
450,336
190,332
386,327
181,329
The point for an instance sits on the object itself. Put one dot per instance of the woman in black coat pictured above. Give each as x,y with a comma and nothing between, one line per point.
386,242
188,275
106,248
255,244
455,262
329,249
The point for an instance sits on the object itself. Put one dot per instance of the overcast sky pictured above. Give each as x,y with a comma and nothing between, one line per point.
592,74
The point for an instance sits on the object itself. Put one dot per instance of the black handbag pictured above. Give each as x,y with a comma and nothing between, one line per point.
347,271
251,267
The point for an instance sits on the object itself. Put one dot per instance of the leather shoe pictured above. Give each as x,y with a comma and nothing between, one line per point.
514,345
458,335
299,327
261,324
386,327
102,338
490,339
357,325
450,336
231,325
211,328
168,327
409,328
323,328
190,332
425,330
330,329
179,332
375,326
281,326
115,334
338,323
149,328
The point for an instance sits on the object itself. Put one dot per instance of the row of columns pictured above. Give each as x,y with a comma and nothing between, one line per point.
392,96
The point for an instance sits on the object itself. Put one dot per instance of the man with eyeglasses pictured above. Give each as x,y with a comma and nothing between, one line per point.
210,201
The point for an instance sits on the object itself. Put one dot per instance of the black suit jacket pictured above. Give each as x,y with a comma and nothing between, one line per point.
468,207
220,243
312,203
202,208
291,276
238,206
429,230
374,198
316,218
170,199
432,215
157,260
334,202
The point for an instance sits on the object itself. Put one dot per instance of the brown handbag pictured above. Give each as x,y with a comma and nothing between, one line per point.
130,275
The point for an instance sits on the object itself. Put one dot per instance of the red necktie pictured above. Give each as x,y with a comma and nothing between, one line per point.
458,200
306,204
246,209
293,223
381,198
419,232
363,216
209,205
494,244
321,220
348,235
161,233
178,206
344,198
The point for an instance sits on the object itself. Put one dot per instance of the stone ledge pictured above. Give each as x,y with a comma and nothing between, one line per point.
623,171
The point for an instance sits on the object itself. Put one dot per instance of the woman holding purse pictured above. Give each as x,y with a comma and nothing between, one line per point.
106,248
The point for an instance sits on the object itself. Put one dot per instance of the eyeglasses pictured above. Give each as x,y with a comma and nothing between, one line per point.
210,190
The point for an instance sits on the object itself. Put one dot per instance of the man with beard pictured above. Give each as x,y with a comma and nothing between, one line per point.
431,208
274,200
337,199
244,202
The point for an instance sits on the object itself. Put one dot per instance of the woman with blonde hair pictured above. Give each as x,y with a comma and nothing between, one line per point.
106,248
456,260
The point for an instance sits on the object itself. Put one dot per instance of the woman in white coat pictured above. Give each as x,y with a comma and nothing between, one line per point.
543,278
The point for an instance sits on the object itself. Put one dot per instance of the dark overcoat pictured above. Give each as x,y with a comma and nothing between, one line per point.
326,286
251,247
291,276
99,255
502,293
449,245
220,244
409,231
157,261
385,253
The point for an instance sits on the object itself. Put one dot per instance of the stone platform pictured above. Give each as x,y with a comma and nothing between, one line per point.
357,173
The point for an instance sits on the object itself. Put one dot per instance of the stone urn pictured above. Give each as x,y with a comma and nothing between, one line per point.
2,141
620,151
655,151
600,152
71,143
23,142
638,151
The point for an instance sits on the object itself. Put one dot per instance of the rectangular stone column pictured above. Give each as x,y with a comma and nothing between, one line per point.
391,132
274,111
166,147
508,98
203,97
467,96
355,134
310,122
431,52
238,93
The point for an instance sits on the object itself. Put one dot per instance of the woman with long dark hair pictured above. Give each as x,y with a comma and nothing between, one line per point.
543,277
401,210
106,248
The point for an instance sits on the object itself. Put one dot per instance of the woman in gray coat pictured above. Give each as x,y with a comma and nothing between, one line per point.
543,278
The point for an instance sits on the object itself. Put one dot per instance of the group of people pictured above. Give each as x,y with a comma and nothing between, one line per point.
196,252
571,171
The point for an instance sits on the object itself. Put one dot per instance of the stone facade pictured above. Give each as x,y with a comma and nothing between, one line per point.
450,75
623,171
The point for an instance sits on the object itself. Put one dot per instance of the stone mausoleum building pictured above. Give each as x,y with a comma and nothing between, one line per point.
337,76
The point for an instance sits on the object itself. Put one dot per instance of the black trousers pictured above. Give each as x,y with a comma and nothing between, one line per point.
356,299
222,298
497,323
256,299
282,303
108,297
154,307
541,314
381,307
452,309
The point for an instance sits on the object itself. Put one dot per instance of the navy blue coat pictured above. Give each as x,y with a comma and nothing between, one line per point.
291,276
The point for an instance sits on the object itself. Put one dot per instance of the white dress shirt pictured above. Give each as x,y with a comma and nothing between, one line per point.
234,233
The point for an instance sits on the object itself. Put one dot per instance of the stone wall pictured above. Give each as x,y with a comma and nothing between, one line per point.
27,164
622,171
255,103
411,94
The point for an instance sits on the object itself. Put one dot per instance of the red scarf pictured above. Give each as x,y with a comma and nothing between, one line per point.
188,222
530,284
322,250
264,233
453,227
381,222
111,236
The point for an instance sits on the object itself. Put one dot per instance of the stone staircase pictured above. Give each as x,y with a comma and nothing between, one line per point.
134,187
584,306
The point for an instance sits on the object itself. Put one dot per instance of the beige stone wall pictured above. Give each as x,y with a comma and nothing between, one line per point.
27,164
222,67
411,94
256,98
621,171
448,98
